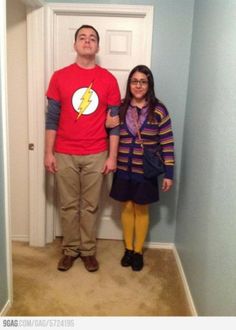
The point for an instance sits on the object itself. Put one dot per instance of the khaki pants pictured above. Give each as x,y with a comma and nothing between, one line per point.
79,182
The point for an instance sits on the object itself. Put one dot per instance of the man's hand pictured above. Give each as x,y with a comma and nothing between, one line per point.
109,166
166,184
50,163
112,121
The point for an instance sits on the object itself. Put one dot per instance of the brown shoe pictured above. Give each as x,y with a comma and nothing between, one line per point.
66,262
90,263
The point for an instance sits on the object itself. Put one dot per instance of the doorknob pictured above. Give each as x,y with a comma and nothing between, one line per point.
31,146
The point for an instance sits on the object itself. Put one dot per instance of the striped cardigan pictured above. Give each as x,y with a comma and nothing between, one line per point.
157,133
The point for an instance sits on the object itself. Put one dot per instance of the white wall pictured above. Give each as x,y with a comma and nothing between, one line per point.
18,118
206,226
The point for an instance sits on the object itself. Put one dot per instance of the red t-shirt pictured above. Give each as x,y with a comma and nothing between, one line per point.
85,95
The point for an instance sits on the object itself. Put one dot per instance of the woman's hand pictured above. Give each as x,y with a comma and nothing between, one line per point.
166,184
112,121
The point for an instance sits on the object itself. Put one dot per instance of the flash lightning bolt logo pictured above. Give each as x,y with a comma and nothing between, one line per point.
85,100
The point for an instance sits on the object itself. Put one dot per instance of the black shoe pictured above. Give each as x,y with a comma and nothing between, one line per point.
137,263
127,259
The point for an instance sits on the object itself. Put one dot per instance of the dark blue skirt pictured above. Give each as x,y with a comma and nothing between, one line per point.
143,191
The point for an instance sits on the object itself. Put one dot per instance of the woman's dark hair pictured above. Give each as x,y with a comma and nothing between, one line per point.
152,101
87,27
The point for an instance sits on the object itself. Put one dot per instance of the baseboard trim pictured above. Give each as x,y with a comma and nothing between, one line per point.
154,245
20,238
5,309
185,283
171,246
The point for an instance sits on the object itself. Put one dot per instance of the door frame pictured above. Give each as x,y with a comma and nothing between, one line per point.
36,106
40,62
5,162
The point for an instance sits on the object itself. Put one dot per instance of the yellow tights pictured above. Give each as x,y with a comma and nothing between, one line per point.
135,222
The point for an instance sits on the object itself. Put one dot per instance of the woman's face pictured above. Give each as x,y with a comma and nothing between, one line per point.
139,85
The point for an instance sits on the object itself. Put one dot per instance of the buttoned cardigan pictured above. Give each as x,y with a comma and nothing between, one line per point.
154,134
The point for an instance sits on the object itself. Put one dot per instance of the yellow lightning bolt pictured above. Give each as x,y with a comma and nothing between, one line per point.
85,100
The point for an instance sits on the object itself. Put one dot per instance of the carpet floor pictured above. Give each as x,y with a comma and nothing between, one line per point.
39,289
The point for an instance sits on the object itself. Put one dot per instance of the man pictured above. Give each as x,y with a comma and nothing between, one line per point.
76,145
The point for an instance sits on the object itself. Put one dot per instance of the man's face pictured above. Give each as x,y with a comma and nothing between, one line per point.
86,43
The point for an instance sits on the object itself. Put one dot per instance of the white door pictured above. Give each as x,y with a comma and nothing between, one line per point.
125,41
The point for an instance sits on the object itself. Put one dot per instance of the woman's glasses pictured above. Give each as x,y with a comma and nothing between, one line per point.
141,82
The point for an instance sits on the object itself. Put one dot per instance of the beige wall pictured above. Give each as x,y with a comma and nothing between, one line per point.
18,125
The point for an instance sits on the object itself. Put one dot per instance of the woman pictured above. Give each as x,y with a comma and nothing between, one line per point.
143,120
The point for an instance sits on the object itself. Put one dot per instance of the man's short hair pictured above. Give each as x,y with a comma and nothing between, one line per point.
87,27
